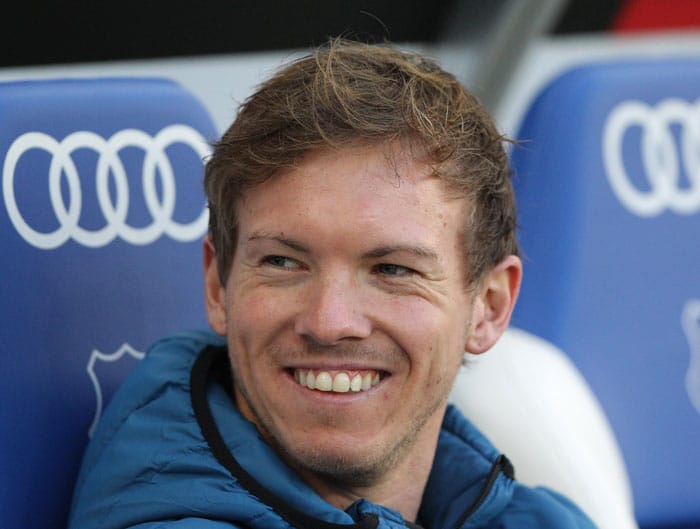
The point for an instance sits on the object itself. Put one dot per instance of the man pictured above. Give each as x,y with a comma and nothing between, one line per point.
362,240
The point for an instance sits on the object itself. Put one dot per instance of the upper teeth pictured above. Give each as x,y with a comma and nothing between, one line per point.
341,382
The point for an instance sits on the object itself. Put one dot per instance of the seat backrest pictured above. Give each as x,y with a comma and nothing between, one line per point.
608,185
101,220
534,405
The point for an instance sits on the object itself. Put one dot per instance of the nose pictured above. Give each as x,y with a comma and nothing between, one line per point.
333,310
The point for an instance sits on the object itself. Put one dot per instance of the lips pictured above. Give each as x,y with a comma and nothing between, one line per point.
337,381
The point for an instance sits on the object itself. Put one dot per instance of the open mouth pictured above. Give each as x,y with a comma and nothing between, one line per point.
337,381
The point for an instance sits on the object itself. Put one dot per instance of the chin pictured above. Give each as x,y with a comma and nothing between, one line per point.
352,468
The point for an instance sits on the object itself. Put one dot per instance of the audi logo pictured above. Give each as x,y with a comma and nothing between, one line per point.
156,168
659,156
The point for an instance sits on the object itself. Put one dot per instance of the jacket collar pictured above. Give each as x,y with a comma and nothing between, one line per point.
469,479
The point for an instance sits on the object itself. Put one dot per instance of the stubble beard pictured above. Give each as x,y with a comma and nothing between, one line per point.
362,469
367,467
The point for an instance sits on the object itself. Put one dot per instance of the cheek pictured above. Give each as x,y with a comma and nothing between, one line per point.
435,340
258,322
426,333
444,363
253,308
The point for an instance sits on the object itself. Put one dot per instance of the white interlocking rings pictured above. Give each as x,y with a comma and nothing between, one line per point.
156,168
659,156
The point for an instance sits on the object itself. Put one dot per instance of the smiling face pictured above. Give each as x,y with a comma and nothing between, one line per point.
346,311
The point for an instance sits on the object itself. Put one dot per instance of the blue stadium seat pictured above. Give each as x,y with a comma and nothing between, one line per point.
101,220
608,183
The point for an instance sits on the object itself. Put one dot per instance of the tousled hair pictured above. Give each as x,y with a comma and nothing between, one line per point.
346,94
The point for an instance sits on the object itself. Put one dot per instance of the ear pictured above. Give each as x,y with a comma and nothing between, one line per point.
214,291
494,304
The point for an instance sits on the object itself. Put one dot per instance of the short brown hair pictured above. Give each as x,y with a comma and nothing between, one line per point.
346,93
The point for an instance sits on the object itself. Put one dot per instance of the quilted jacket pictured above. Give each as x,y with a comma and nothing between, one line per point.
173,452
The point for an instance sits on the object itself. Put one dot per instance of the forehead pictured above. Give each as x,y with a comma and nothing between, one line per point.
355,201
387,171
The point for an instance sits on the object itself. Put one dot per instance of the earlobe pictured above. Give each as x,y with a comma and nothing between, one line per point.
494,305
214,291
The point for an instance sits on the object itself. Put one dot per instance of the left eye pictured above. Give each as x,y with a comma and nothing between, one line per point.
393,270
280,261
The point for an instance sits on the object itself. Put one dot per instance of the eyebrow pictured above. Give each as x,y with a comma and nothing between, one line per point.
376,253
419,251
290,243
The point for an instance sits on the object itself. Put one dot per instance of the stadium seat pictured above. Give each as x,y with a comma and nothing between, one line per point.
534,405
608,183
101,220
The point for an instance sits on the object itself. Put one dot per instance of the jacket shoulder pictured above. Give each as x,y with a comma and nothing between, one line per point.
541,508
146,436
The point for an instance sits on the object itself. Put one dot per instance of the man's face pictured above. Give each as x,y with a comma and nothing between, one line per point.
346,310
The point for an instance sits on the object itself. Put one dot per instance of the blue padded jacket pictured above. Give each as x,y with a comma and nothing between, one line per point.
173,452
